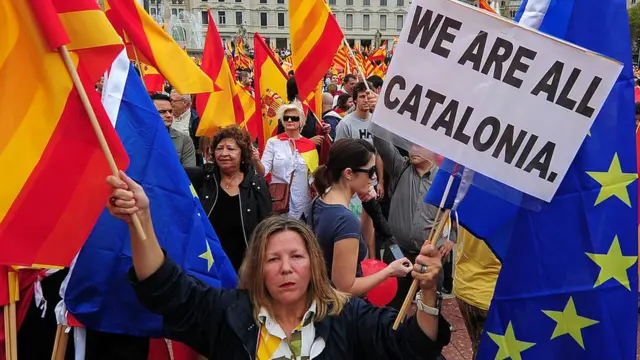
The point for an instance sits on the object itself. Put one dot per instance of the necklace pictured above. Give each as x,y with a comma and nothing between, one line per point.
231,182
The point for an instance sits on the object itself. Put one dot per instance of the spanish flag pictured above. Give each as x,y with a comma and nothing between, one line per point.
315,39
222,107
54,186
153,80
156,47
270,83
307,150
484,5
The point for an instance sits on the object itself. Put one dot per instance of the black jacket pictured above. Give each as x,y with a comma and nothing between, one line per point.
219,323
255,201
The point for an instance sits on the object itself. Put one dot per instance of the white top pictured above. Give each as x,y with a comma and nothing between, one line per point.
280,161
181,123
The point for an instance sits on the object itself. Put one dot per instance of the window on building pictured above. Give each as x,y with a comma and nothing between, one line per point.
263,1
281,19
222,18
238,17
174,12
281,43
177,2
400,2
365,22
205,18
512,13
383,22
351,42
220,0
238,0
178,33
263,18
383,2
332,2
399,22
366,2
280,2
152,11
365,44
349,21
349,2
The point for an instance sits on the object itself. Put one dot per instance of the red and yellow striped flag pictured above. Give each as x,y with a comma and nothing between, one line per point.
315,39
57,187
156,47
221,107
484,5
153,80
270,83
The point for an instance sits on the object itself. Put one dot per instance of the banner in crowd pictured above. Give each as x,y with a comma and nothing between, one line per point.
502,99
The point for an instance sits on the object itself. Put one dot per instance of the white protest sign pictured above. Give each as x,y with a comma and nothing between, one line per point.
503,100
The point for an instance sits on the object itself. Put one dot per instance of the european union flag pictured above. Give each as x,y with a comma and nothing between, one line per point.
568,285
98,294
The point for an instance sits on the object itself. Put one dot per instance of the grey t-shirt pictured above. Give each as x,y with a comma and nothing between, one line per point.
352,126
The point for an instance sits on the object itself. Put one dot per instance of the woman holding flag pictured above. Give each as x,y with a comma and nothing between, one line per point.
290,158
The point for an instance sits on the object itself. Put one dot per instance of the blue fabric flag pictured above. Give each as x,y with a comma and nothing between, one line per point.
98,293
568,285
439,184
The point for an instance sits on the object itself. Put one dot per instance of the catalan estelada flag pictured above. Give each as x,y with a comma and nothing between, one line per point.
53,187
270,83
315,39
221,107
157,47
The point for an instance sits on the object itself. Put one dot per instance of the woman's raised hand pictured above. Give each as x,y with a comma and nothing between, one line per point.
127,197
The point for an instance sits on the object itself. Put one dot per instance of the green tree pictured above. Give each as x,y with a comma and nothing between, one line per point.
634,25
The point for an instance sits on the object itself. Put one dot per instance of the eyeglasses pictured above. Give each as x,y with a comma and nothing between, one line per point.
291,118
371,171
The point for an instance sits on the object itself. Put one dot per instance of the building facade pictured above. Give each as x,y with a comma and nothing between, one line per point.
360,20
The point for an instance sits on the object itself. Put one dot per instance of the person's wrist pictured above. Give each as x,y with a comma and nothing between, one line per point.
429,296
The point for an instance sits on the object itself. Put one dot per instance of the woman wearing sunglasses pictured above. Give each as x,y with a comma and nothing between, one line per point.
349,170
290,158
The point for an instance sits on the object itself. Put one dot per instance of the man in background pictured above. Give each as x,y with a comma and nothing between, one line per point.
181,141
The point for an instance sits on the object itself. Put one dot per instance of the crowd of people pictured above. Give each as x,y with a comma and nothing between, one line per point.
302,291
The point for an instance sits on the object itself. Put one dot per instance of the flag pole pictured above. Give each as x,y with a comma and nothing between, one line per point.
60,343
433,239
10,323
364,79
68,62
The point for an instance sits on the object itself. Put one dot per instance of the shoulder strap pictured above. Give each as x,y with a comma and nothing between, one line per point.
407,164
312,220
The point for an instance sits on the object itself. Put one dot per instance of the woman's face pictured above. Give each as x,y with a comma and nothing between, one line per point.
228,155
362,178
291,120
287,267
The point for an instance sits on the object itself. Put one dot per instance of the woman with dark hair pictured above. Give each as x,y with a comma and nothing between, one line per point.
233,195
349,170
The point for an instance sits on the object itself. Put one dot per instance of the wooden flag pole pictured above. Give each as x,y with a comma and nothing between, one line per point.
10,323
13,331
66,57
364,79
60,344
433,239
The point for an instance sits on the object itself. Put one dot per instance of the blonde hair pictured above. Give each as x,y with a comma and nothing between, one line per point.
296,106
329,301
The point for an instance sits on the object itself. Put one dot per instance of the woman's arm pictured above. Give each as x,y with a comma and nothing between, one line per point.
263,166
263,197
191,311
343,269
376,338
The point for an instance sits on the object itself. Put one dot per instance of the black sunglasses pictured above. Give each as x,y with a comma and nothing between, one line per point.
371,172
291,118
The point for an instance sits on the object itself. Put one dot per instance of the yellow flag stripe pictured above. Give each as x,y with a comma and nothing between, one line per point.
305,33
173,63
43,83
77,23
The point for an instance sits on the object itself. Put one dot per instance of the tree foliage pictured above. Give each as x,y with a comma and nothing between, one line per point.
634,25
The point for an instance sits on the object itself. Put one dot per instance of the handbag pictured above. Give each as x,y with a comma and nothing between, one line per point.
281,196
